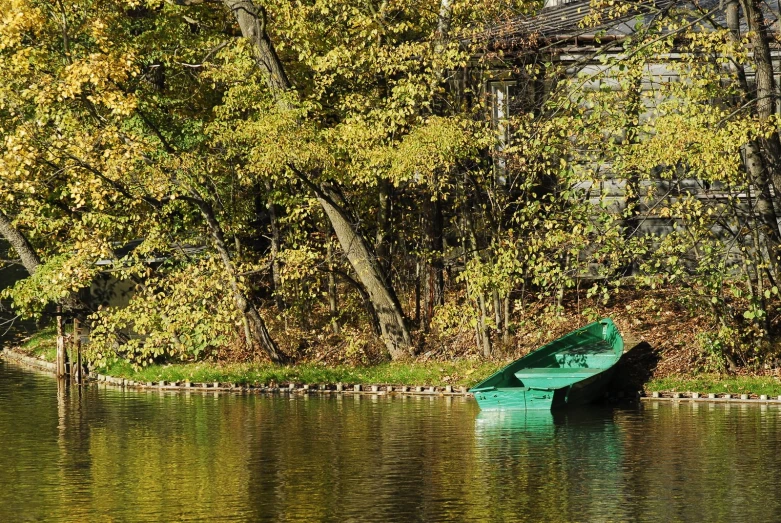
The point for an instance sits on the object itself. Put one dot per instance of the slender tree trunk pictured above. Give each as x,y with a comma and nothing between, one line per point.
433,273
633,109
383,236
432,268
395,333
257,326
497,313
764,208
767,95
430,281
760,167
444,20
506,331
276,241
484,336
418,296
333,298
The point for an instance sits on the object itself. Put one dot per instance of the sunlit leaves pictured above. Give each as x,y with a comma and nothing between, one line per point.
180,313
53,281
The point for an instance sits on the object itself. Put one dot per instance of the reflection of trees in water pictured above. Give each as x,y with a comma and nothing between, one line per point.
28,444
355,457
705,462
179,456
73,441
149,456
689,462
125,455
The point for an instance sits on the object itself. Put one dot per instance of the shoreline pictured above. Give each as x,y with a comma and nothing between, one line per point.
650,392
19,357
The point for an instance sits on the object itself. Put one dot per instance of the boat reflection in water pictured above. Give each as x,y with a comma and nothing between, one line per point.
587,418
542,460
531,422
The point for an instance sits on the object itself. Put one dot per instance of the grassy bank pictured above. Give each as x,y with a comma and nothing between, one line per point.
463,371
456,373
717,383
42,344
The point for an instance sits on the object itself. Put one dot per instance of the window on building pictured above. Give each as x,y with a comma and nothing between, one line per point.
502,101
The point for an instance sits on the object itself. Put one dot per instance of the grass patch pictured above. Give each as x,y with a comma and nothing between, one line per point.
42,344
717,383
463,372
456,373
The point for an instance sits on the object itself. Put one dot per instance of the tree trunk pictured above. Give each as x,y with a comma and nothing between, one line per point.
506,331
444,20
19,242
392,322
756,168
498,314
431,269
432,266
632,218
765,83
483,334
257,326
276,241
395,334
333,298
31,261
252,21
756,165
433,274
382,237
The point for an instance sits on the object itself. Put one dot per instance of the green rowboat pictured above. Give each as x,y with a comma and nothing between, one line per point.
572,370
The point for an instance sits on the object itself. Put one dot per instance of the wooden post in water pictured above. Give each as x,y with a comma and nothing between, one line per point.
77,374
62,354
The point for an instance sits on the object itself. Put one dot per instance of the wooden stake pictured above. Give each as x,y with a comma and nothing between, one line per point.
77,374
62,354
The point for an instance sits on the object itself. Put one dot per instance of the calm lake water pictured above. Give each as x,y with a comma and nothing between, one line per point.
128,456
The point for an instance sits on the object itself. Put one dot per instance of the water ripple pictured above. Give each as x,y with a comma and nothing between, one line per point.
105,454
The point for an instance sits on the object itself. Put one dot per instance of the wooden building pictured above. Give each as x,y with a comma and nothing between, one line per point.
563,40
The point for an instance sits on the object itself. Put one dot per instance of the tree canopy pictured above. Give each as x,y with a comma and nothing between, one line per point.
292,170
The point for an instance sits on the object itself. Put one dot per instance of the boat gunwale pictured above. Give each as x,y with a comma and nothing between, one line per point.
512,365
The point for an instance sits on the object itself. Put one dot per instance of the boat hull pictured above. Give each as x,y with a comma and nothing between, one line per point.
572,370
580,393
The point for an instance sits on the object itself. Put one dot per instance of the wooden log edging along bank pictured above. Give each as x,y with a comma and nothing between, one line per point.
724,397
349,388
30,361
284,388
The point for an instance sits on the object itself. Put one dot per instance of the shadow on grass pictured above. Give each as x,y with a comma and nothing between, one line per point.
635,369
